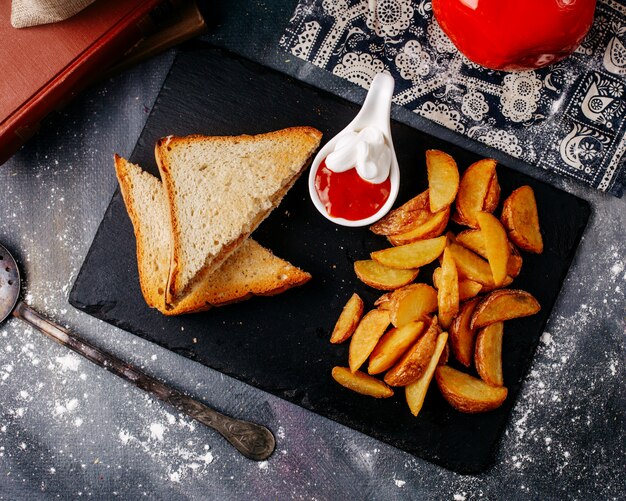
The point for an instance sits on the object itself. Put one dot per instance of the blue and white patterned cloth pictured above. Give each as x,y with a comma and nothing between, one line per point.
569,118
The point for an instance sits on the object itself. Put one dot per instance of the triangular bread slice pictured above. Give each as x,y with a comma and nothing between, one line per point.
250,270
220,189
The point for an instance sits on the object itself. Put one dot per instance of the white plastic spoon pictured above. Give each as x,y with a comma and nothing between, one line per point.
374,116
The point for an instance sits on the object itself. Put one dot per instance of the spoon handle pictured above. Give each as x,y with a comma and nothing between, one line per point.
252,440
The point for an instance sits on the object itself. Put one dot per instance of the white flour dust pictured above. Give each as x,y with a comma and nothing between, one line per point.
160,442
68,362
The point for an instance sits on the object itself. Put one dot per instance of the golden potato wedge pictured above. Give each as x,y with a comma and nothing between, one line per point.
410,256
348,319
445,354
450,238
381,277
473,190
497,245
413,303
437,277
471,266
490,288
388,301
413,213
361,383
488,354
467,288
475,241
466,393
521,219
443,179
514,265
456,218
413,363
493,195
462,337
416,391
393,345
369,331
432,227
384,301
504,304
448,293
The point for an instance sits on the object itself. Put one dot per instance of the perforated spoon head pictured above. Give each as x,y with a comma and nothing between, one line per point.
9,283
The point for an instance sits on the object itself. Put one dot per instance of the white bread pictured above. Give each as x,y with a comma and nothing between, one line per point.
220,189
250,270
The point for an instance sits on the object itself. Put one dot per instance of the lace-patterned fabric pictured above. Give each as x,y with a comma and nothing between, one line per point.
569,118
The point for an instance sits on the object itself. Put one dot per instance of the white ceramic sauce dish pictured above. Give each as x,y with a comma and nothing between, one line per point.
375,112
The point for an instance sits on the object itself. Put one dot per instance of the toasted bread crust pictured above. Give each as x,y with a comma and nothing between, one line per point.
310,139
277,275
147,283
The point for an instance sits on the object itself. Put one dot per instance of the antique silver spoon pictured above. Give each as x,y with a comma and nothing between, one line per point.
252,440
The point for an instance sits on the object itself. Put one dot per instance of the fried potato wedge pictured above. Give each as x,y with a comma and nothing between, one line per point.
381,277
388,298
432,227
448,293
471,266
473,190
488,354
384,301
409,215
443,179
467,288
514,265
462,337
348,319
413,363
490,288
475,241
393,345
497,245
414,303
361,383
521,219
372,326
504,304
493,195
466,393
445,354
410,256
416,391
456,218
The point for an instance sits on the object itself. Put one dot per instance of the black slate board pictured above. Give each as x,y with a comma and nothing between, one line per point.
280,344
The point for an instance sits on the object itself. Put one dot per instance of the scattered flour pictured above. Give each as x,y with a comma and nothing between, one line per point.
68,362
165,449
156,431
61,408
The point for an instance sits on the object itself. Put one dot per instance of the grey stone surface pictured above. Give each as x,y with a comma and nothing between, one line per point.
69,429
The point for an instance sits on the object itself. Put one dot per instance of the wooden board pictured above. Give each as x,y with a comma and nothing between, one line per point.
280,344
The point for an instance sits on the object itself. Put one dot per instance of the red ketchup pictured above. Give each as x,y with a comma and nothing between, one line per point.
346,195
